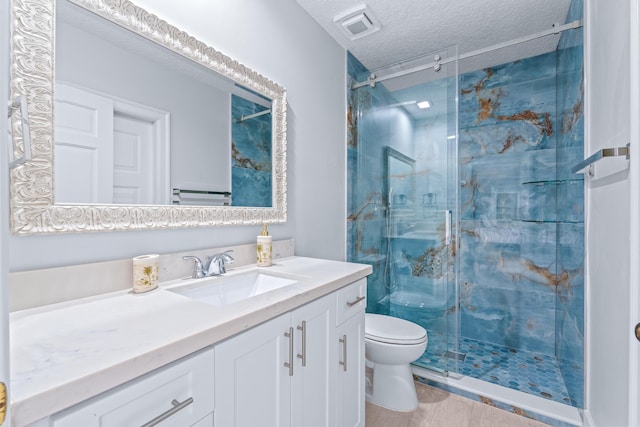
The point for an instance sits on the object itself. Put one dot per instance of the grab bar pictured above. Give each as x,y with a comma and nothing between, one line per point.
599,155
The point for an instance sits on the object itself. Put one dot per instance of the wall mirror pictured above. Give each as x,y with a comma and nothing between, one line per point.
139,125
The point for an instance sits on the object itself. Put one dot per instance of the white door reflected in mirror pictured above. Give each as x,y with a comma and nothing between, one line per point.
106,153
83,132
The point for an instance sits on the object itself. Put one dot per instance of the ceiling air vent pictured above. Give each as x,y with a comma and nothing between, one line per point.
357,22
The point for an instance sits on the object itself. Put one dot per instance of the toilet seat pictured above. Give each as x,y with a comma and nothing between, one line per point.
392,330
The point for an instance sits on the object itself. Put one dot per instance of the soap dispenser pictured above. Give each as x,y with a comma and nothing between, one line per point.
264,248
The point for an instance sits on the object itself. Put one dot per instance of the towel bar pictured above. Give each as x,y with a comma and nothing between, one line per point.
599,155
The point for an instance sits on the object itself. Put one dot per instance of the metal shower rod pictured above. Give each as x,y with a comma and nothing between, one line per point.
251,116
556,29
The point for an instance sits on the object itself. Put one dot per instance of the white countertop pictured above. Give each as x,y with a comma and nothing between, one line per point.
65,353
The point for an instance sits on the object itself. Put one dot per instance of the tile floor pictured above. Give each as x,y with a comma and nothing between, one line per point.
439,408
532,373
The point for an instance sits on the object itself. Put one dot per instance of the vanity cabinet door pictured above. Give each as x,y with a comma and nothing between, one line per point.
350,378
252,384
287,371
182,393
349,368
312,402
278,374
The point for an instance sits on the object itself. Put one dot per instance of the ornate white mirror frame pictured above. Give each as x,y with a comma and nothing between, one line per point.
32,76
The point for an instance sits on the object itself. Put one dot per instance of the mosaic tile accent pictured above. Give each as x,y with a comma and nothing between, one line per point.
535,373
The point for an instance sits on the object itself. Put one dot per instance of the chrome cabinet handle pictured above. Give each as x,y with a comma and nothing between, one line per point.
21,104
355,301
343,340
303,356
177,407
289,364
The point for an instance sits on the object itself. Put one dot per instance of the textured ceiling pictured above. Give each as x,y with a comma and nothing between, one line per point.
415,28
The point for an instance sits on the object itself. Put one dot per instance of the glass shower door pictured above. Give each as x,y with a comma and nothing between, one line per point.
403,192
421,189
421,273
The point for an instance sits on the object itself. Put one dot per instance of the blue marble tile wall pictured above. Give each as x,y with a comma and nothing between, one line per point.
570,249
508,196
251,155
521,211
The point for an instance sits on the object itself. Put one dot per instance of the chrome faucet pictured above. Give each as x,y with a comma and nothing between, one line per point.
216,264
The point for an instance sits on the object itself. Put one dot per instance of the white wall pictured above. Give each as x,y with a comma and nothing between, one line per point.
609,215
634,253
279,40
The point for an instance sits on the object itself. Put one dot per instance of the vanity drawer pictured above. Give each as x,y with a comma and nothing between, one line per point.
352,299
181,391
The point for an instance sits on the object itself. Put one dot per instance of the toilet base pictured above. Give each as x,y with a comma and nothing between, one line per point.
392,387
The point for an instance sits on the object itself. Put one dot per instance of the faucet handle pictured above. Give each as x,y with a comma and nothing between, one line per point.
217,263
198,271
228,259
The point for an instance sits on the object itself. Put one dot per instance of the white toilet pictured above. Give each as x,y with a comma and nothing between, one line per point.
391,344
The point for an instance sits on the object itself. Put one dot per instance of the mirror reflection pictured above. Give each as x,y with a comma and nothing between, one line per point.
400,180
136,123
251,152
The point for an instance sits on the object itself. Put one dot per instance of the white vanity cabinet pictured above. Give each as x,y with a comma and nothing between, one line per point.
277,373
350,377
180,394
288,371
252,386
303,367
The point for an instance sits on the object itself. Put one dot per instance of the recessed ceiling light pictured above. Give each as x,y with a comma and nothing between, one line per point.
423,104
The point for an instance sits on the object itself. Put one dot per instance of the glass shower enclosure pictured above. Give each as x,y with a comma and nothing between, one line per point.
460,197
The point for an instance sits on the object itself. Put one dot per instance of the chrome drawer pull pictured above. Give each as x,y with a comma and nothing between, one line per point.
343,340
177,407
355,301
303,356
289,364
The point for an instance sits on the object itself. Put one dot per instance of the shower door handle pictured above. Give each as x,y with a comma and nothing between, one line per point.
447,227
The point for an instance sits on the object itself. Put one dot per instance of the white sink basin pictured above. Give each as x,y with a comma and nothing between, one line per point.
224,290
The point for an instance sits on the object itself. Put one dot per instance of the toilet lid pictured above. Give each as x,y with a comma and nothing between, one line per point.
393,330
